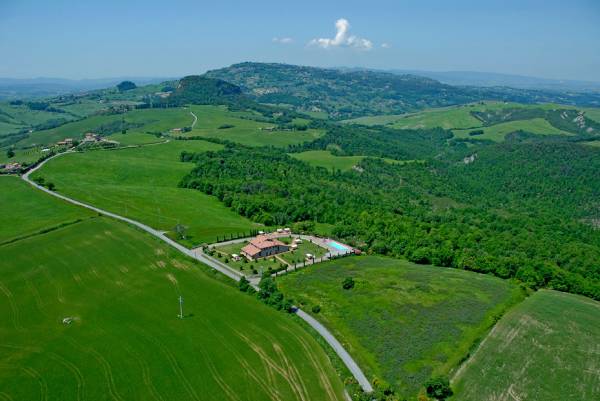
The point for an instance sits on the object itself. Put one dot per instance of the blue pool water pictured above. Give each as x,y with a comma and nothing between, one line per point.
338,246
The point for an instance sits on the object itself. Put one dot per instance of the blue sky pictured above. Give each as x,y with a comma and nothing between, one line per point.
92,39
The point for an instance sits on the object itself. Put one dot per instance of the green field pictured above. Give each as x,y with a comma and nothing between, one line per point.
141,183
125,342
402,322
497,132
323,158
593,113
244,131
547,348
30,155
593,143
134,138
25,213
445,117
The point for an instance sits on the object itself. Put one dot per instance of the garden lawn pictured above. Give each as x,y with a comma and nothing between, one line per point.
298,255
141,183
547,348
119,289
402,322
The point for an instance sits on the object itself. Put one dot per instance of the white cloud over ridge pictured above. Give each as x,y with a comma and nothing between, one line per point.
343,38
284,41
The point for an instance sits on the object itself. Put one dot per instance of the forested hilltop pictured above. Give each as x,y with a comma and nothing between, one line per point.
351,93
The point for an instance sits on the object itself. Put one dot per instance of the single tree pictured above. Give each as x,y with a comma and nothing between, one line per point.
51,186
181,231
10,153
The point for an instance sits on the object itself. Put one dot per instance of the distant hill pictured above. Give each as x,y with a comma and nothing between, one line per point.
339,93
11,88
345,93
195,89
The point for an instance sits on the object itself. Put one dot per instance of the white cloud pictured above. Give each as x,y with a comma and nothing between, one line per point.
284,41
385,45
342,38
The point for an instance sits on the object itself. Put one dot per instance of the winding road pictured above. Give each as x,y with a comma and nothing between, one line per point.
215,264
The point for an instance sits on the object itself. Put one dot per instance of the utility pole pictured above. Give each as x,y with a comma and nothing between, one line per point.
180,307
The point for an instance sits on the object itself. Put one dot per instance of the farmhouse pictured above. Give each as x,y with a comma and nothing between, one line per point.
65,142
263,246
91,137
11,167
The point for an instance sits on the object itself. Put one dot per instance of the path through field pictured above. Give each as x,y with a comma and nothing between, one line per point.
214,264
195,119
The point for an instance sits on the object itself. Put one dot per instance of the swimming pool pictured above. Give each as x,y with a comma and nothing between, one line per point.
338,246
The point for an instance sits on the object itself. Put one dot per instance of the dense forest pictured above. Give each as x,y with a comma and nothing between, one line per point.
517,210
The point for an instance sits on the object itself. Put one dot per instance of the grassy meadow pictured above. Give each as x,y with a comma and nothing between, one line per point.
402,322
141,183
149,120
497,132
24,212
244,130
546,348
120,289
324,158
456,117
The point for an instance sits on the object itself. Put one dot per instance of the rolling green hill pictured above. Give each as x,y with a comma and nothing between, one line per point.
26,213
403,322
544,349
141,183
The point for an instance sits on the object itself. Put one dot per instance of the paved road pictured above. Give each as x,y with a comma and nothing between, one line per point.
220,267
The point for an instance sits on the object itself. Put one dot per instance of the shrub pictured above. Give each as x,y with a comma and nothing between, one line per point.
348,283
438,388
316,309
244,284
